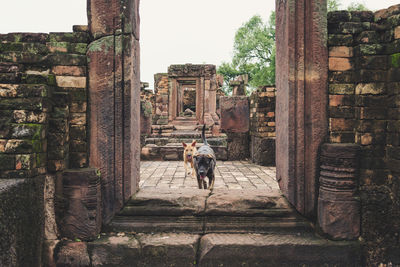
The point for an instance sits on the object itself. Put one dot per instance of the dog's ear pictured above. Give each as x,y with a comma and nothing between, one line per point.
194,143
184,145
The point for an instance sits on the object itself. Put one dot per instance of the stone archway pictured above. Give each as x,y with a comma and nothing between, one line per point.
114,84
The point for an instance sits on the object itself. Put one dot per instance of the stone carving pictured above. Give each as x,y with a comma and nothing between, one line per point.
338,202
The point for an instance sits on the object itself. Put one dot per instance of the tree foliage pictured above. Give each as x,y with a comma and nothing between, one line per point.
253,53
334,5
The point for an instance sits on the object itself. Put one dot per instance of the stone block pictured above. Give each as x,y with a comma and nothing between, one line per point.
341,100
69,71
262,151
105,19
340,51
370,88
77,118
70,37
340,64
21,221
341,124
235,114
77,160
341,89
71,253
341,112
238,146
71,81
368,37
340,40
341,77
372,62
397,32
82,196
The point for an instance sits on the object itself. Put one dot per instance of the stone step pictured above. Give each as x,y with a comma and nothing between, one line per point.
180,249
202,211
174,151
161,141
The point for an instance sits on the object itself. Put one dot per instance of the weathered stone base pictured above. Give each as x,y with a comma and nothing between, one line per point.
238,146
262,151
21,221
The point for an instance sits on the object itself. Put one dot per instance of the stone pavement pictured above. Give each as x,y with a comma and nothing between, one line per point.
228,175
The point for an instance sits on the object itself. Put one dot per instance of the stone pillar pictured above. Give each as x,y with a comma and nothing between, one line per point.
81,216
301,113
338,202
114,99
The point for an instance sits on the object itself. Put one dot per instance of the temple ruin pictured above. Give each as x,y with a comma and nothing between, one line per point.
75,121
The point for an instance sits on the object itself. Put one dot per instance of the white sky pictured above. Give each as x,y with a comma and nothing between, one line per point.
172,31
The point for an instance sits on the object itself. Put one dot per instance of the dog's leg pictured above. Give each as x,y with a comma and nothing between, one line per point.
199,182
186,170
205,184
211,181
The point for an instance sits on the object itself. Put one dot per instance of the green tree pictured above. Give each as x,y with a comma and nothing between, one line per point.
334,5
357,7
253,53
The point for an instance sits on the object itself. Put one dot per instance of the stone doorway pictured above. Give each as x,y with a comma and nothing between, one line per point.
187,96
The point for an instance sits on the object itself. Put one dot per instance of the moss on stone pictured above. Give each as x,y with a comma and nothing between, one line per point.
104,44
395,60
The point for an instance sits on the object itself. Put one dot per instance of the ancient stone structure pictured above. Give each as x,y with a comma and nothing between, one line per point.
114,90
338,200
363,109
262,126
235,123
301,80
72,101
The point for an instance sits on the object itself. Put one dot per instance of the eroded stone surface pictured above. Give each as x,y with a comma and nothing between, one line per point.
167,202
169,249
72,254
275,250
245,202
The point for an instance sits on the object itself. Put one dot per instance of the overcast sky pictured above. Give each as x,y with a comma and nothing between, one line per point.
172,31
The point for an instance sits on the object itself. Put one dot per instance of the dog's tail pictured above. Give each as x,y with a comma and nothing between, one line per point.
203,135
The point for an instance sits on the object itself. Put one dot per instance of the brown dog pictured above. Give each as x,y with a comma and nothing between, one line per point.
188,153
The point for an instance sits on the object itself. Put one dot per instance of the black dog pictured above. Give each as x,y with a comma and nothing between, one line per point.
204,163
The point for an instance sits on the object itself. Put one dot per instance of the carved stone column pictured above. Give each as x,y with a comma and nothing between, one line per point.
338,201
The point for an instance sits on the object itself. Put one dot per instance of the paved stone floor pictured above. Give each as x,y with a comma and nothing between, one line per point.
228,174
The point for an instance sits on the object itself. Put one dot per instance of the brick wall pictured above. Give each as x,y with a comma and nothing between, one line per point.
262,126
43,102
43,129
364,88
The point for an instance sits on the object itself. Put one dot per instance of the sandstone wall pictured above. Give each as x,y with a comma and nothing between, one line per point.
262,126
43,127
364,87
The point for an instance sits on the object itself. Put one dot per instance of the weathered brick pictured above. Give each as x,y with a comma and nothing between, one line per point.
368,37
362,16
339,16
7,162
372,76
340,39
25,162
370,49
78,160
341,77
78,107
341,137
341,112
397,32
78,118
340,51
372,113
71,81
340,64
370,88
342,89
69,71
78,132
371,100
341,100
372,62
341,124
70,37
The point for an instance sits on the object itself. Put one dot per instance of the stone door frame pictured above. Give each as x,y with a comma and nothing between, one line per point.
173,98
